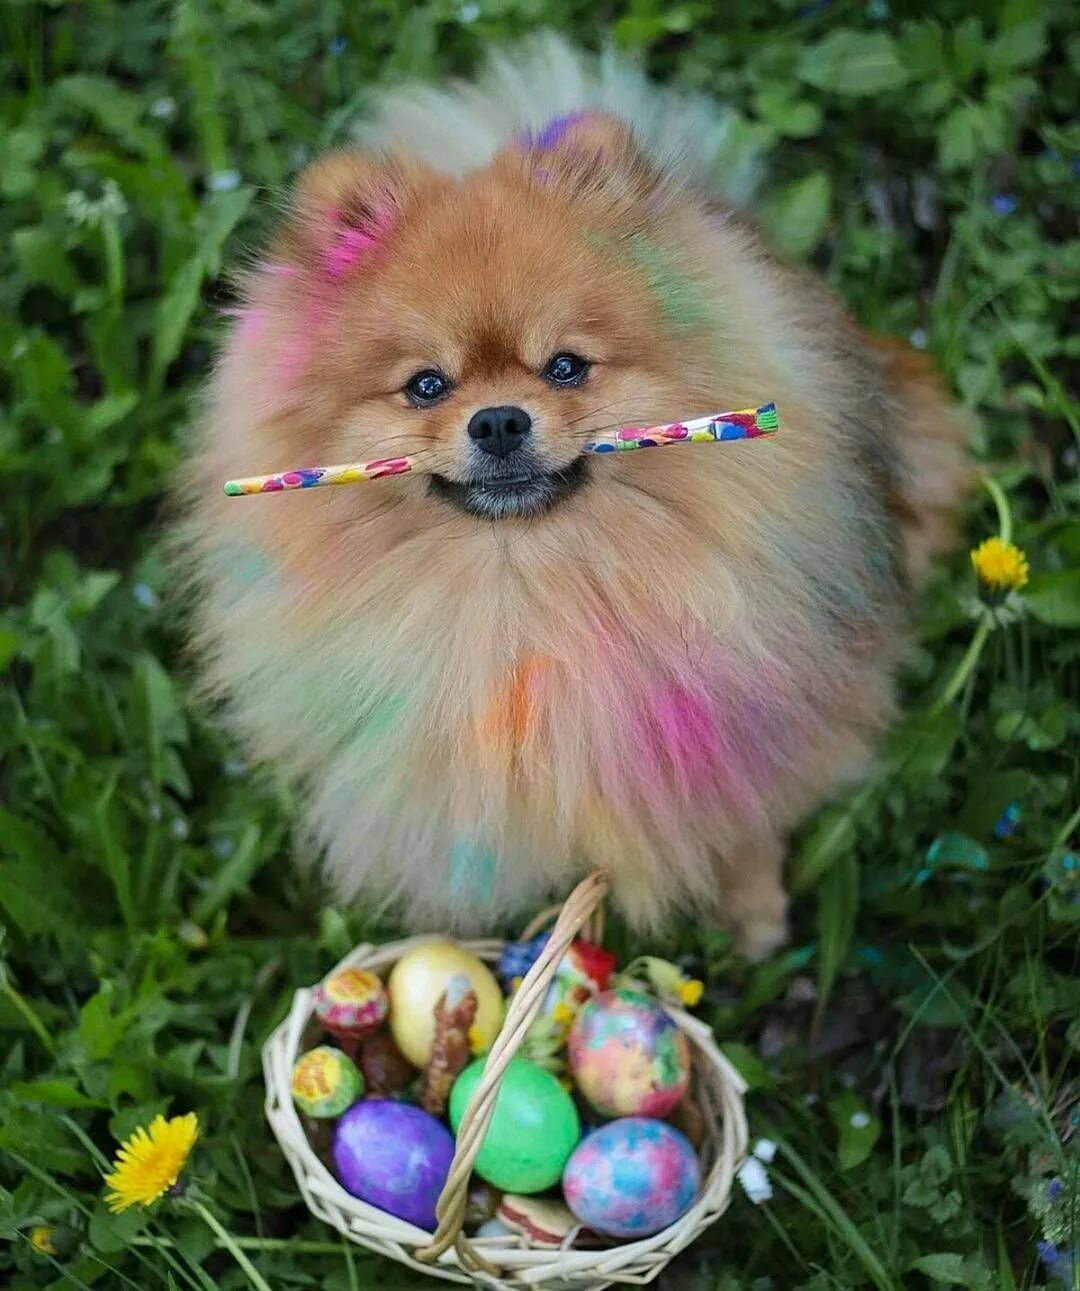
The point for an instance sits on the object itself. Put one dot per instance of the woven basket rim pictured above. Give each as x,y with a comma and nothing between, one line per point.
513,1264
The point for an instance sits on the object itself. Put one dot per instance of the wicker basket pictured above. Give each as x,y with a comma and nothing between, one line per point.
509,1262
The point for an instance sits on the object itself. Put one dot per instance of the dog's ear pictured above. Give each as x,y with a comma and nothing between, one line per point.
590,153
343,208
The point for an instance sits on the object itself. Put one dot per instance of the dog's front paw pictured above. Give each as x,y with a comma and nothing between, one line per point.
757,936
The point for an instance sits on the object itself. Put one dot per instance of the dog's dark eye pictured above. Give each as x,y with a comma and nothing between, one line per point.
566,369
427,387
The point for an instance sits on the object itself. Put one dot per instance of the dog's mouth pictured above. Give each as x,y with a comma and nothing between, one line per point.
509,494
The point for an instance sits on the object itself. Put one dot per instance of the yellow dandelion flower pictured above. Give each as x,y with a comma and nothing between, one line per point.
562,1013
476,1039
691,991
1000,565
41,1239
149,1162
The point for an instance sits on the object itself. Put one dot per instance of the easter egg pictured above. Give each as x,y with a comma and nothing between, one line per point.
533,1131
544,1221
627,1056
418,979
325,1082
351,1003
394,1156
631,1178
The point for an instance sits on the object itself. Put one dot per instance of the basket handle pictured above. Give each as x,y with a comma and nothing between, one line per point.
526,1003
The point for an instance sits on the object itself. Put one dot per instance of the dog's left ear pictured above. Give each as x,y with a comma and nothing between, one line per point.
594,153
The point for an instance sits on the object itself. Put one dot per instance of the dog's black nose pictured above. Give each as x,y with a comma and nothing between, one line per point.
499,431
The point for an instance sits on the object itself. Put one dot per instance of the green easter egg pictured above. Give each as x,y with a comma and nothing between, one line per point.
533,1131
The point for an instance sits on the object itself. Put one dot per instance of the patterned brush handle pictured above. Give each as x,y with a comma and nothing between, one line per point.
721,428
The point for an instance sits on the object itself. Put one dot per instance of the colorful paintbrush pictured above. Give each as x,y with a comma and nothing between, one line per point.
721,428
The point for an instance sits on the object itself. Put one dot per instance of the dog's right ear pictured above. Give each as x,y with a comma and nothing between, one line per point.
343,209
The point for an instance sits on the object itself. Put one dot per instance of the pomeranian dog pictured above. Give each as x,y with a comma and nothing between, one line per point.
518,662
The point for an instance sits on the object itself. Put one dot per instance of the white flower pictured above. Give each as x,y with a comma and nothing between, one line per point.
224,181
112,199
81,209
860,1120
755,1181
764,1150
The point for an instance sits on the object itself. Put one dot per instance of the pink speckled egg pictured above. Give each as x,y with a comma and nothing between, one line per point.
631,1178
351,1003
627,1056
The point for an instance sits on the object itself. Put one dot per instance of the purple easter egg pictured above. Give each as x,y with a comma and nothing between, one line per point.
631,1178
394,1156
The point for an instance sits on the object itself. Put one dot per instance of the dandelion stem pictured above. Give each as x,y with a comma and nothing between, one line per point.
257,1244
1001,503
965,669
1065,833
26,1010
114,257
229,1242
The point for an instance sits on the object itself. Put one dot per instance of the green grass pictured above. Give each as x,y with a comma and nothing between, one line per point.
154,926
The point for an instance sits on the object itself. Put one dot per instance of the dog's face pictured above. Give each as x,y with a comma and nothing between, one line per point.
489,327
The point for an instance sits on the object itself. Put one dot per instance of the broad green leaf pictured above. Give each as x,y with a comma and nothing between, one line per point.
37,901
1017,46
946,1267
798,216
920,748
111,1233
41,259
969,46
216,221
234,875
838,901
748,1064
175,312
832,837
1054,598
55,1093
99,1028
856,1128
158,712
853,63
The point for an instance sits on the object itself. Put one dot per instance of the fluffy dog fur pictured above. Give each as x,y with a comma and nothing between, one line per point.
665,670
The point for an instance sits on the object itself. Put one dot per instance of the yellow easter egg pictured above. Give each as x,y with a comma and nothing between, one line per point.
418,979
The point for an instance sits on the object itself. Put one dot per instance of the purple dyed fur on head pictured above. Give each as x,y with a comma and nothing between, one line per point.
551,135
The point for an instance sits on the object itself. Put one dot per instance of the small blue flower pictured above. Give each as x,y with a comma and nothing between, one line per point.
518,957
338,46
1048,1253
1004,203
918,338
1053,1190
1007,821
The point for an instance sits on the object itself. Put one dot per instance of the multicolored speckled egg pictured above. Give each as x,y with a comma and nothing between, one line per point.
394,1156
351,1003
627,1056
325,1082
632,1178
